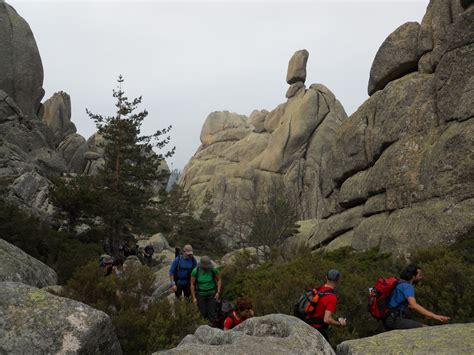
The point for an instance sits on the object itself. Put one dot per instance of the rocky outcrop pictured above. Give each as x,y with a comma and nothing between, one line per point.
397,174
21,74
445,339
297,67
18,266
397,57
56,114
272,334
241,158
37,322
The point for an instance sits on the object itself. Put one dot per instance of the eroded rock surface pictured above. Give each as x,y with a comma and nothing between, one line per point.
34,321
18,266
444,339
272,334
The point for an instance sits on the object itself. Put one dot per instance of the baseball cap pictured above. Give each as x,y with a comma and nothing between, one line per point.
333,275
188,249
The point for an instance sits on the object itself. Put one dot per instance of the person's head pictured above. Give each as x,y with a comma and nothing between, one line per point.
108,261
243,306
205,263
412,273
333,277
118,262
188,251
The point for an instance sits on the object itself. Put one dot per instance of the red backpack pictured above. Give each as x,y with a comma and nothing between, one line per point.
379,296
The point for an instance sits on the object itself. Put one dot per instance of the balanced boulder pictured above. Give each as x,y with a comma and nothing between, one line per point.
297,67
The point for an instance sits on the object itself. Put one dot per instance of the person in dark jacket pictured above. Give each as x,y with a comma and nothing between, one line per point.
403,299
180,272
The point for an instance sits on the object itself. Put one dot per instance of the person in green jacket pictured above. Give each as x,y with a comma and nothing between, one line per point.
206,288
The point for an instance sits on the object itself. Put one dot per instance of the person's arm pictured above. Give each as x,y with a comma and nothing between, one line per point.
329,320
412,304
172,271
219,286
193,289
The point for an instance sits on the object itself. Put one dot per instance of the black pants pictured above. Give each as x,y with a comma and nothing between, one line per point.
183,289
208,307
396,321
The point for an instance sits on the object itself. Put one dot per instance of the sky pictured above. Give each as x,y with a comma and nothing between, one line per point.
188,59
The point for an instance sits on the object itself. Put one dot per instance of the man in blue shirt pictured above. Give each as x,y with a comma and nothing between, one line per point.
403,298
180,272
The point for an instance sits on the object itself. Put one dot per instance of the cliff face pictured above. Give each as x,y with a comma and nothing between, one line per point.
38,141
397,173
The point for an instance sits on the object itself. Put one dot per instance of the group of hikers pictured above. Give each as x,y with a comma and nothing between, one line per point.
391,299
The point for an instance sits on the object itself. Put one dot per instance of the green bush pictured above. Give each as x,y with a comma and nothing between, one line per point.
141,325
274,288
60,251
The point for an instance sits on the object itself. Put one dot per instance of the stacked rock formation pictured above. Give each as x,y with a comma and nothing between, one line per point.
396,174
37,141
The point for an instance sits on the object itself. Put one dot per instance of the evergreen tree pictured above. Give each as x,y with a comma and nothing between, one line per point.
131,166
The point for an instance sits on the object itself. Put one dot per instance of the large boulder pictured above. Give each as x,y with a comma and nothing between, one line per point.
56,114
18,266
397,57
158,241
444,339
34,321
271,334
297,67
21,70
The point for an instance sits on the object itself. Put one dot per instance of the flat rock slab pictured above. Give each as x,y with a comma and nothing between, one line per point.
18,266
445,339
33,321
272,334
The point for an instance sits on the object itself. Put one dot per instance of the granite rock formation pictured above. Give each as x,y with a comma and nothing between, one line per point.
443,339
271,334
36,322
18,266
397,174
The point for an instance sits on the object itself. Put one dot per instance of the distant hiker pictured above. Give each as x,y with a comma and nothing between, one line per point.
403,298
108,262
148,254
317,306
129,248
243,310
103,258
180,272
117,267
206,288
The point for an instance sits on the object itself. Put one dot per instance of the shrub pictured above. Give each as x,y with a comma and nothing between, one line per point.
275,287
141,325
60,251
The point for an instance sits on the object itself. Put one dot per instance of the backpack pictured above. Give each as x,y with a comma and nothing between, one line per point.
176,271
224,310
307,305
379,295
213,279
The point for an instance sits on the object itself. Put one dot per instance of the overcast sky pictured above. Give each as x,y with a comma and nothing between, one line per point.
188,59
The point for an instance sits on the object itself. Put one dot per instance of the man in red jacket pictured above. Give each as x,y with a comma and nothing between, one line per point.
322,317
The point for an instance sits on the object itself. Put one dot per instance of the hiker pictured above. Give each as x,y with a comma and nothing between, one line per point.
322,316
148,254
129,248
180,272
117,267
243,311
206,288
403,298
107,263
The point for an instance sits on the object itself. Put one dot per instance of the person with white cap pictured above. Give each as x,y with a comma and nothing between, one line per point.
206,288
180,272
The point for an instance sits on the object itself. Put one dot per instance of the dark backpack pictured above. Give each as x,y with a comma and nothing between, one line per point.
307,305
224,310
176,271
379,295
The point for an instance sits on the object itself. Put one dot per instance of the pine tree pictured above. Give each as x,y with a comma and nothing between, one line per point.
131,166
